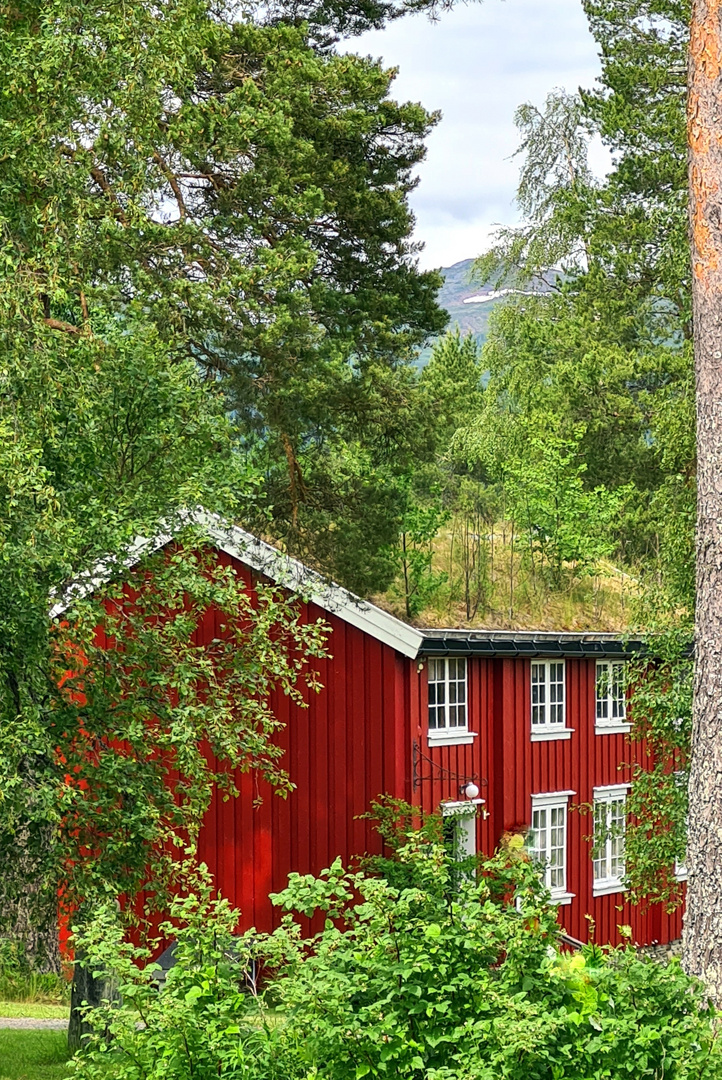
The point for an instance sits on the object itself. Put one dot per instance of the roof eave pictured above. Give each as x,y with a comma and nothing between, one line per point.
551,646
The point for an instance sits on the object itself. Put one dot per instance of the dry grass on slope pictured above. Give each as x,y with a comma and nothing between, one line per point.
490,584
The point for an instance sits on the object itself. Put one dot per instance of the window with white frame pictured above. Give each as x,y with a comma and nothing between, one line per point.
610,817
680,865
548,840
447,694
548,714
459,824
611,694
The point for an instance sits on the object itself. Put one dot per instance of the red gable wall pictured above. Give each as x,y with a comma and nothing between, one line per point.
351,745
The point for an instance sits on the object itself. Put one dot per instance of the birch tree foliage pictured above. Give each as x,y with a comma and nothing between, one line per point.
606,345
553,176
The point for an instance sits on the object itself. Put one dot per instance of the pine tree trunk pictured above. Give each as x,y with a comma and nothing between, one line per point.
29,902
703,920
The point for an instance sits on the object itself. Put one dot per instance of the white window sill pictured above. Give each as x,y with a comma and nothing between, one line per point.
547,734
450,737
681,875
605,888
562,898
612,729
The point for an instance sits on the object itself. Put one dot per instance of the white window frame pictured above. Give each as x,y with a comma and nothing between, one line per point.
551,805
680,865
610,711
608,881
545,703
466,814
446,735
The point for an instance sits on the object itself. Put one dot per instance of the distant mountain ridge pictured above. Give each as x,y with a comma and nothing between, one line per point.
468,317
470,303
458,288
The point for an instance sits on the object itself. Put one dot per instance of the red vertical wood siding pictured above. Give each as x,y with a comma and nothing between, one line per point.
366,734
580,763
351,745
509,768
442,770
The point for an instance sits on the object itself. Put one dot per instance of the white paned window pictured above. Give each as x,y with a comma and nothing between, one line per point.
610,818
548,841
548,713
611,694
447,694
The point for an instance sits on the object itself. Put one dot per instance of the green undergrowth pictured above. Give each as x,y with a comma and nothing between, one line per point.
33,1055
20,983
437,970
35,990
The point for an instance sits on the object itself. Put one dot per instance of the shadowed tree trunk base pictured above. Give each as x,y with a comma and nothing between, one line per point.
86,990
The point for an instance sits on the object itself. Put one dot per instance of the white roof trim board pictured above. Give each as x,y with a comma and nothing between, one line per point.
372,620
89,580
293,575
272,563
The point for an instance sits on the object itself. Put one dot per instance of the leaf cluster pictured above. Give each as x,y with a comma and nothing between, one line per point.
661,709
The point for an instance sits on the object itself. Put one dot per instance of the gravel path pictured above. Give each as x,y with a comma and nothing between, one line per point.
27,1023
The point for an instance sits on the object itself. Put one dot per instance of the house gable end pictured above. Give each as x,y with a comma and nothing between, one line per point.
273,564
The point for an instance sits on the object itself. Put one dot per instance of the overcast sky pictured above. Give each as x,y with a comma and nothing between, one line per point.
477,64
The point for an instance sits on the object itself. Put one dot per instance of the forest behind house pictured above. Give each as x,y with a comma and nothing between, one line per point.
210,296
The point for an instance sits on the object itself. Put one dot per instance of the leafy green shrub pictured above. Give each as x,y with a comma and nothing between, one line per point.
19,981
455,977
452,979
206,1023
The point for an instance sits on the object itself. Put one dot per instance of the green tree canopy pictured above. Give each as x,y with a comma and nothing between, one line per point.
244,192
605,344
605,351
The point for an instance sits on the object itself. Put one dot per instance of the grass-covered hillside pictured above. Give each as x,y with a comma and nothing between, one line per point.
486,582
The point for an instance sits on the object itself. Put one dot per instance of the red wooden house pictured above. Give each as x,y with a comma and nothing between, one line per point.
529,727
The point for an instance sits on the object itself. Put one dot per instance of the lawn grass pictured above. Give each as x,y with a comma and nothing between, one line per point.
33,1055
37,1010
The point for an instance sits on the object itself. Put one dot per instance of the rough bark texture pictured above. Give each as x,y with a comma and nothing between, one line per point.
29,905
86,990
703,920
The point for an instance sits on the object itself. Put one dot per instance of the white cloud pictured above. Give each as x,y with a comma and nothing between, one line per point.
477,64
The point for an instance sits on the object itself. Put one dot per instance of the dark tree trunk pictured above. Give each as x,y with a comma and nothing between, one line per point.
86,990
703,920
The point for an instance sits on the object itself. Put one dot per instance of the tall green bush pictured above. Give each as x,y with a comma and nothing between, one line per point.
206,1023
465,977
451,977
